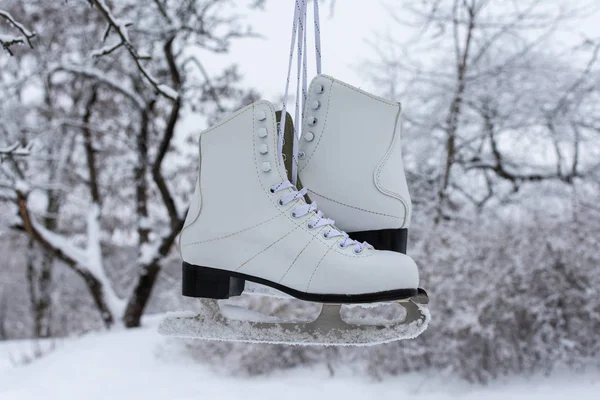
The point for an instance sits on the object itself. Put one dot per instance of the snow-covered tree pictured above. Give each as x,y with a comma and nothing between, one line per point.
98,103
489,93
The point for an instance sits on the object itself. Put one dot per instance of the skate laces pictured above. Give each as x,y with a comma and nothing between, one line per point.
318,219
299,30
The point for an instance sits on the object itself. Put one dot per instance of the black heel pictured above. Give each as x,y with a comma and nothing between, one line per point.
209,283
384,239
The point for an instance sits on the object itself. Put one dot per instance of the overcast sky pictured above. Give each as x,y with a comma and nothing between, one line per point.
345,47
344,36
343,40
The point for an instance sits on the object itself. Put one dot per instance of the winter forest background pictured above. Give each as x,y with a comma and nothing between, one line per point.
102,103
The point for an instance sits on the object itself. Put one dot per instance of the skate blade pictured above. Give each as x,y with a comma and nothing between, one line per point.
328,329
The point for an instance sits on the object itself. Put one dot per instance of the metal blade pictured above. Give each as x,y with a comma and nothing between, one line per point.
328,329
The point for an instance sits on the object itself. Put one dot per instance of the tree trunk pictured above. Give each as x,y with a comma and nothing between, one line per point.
149,272
39,279
97,292
452,119
40,264
140,296
93,284
3,333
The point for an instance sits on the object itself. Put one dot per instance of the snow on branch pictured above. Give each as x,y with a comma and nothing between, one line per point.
8,40
86,261
101,77
74,253
95,264
120,27
106,50
16,149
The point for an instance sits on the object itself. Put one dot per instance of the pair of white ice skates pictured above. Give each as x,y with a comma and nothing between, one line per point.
247,222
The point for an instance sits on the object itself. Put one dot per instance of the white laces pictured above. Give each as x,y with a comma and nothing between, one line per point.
299,29
317,220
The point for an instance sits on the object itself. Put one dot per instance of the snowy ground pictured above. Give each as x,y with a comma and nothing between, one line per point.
135,365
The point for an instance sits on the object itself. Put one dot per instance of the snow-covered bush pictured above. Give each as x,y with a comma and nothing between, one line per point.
507,297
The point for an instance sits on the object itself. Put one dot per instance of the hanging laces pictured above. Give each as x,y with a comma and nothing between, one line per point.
318,220
299,30
317,36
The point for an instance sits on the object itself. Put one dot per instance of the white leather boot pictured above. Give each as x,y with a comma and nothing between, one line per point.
351,162
247,222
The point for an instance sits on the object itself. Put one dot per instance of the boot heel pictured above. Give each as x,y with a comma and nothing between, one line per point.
209,283
384,239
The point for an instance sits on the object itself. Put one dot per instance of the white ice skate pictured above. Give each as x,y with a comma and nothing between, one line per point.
368,197
249,227
247,222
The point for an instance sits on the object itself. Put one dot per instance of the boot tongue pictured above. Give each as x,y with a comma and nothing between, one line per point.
288,142
288,148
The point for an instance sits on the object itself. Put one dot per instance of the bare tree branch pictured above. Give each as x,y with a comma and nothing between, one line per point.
166,140
106,50
121,28
36,232
26,35
451,124
90,152
16,149
562,102
212,91
101,77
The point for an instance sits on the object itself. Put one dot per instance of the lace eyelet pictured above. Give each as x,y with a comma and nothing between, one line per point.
271,190
341,246
357,251
326,235
294,215
280,202
310,226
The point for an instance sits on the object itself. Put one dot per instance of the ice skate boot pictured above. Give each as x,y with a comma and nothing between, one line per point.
247,222
350,161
